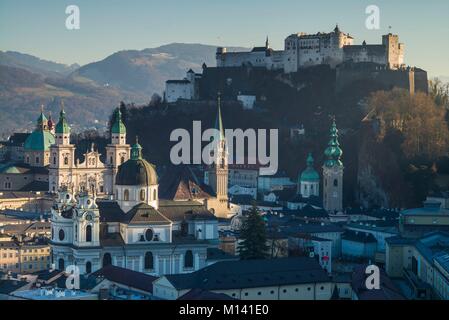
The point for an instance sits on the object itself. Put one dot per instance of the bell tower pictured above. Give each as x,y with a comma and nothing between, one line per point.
118,151
333,173
218,171
62,156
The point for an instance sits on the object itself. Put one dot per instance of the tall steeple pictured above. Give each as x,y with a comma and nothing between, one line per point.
333,173
267,44
218,172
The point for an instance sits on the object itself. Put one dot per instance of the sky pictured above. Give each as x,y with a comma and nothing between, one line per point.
107,26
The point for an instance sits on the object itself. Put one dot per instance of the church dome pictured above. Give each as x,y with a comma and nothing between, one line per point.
136,171
41,138
309,174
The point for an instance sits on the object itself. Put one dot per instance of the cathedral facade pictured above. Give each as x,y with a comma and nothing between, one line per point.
91,175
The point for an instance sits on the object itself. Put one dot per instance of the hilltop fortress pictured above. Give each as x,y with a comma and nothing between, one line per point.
303,50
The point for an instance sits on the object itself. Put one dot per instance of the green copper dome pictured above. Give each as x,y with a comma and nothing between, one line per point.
309,174
41,138
62,126
118,127
136,171
333,152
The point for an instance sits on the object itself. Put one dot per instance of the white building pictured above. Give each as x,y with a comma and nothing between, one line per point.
186,88
136,231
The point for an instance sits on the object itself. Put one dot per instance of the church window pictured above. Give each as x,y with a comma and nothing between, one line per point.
149,234
101,189
66,160
28,159
76,231
54,160
149,261
88,267
61,265
188,259
126,195
89,233
107,259
111,160
142,195
154,194
61,234
335,183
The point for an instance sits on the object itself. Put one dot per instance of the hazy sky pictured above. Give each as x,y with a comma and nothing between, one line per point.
38,27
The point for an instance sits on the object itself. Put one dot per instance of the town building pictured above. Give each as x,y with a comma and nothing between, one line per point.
422,262
272,279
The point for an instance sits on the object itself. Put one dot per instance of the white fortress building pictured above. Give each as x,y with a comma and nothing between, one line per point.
304,50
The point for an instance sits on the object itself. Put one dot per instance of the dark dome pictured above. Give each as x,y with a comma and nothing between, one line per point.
136,171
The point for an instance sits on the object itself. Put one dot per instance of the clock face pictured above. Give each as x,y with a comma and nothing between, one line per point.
89,217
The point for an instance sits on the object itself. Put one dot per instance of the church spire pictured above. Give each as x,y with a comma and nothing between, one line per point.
333,152
136,150
218,120
118,127
62,126
267,44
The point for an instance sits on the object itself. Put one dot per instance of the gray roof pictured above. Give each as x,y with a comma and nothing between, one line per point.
252,274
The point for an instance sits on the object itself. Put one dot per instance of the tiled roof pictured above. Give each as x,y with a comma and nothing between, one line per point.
181,183
144,213
133,279
251,274
199,294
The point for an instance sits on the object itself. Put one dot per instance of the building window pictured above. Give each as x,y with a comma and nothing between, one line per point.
54,160
88,267
37,159
149,234
142,195
61,234
149,262
66,160
89,233
188,259
111,160
61,266
154,195
107,259
335,183
126,195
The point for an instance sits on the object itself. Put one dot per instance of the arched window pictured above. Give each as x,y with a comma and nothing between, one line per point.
61,234
142,195
88,267
107,259
126,195
89,233
54,160
188,259
111,160
149,262
66,160
154,194
61,264
335,183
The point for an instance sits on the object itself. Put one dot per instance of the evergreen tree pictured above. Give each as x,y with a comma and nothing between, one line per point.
253,236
